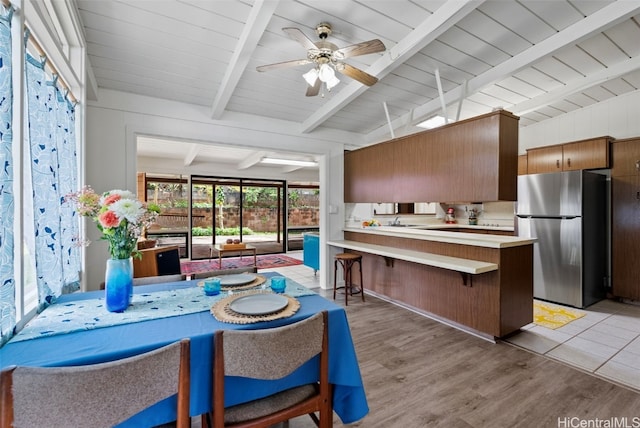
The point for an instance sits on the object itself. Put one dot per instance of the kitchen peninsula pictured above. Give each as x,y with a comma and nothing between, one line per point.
482,283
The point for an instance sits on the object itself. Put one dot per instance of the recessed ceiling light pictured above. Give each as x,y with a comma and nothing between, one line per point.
434,122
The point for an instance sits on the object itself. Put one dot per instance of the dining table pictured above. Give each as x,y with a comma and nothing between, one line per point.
113,341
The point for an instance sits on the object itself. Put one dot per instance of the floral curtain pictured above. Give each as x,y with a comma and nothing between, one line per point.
7,280
53,175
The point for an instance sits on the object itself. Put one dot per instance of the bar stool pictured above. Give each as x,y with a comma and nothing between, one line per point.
347,260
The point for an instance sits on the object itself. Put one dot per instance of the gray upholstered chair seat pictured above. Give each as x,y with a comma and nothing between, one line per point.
268,405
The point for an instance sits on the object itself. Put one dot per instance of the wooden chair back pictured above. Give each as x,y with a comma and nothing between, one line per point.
97,395
273,354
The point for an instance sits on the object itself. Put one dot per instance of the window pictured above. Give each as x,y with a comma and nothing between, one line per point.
37,216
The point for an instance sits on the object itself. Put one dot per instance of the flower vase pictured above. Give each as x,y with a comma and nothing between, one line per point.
118,284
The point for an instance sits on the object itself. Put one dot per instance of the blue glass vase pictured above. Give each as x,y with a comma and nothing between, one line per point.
118,284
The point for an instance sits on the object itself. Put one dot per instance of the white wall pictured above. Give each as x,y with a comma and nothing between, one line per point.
114,122
617,117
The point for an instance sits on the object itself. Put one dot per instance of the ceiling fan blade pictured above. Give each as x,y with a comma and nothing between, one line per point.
314,90
364,48
285,64
299,36
357,74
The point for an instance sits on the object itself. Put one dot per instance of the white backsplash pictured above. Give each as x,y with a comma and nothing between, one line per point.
493,214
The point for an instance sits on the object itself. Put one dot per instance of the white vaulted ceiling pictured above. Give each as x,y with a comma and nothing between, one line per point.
535,58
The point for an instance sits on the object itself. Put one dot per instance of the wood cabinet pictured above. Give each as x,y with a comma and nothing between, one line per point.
369,175
544,159
626,157
625,212
471,160
495,303
585,154
522,164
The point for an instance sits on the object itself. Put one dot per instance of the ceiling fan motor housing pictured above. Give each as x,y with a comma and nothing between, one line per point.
323,30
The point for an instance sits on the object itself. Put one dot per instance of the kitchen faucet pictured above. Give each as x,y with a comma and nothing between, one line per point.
396,221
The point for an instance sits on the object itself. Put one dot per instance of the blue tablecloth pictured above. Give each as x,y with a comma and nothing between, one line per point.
115,342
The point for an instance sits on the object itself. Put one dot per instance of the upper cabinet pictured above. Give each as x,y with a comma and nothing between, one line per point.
471,160
522,164
586,154
626,158
369,174
544,159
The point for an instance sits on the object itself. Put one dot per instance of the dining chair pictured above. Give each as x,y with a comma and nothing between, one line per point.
271,354
158,279
97,395
208,274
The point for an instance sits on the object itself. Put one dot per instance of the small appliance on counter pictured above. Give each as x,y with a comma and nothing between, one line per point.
450,218
473,216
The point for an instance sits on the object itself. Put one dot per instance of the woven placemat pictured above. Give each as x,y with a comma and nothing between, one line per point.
221,311
258,281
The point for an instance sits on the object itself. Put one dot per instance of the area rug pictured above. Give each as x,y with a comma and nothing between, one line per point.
267,261
553,316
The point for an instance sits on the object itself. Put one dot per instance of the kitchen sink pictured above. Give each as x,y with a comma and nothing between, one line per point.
402,225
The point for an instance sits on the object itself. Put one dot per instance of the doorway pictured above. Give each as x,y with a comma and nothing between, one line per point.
249,210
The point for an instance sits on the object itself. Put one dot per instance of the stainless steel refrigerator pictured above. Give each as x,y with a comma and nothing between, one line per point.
566,212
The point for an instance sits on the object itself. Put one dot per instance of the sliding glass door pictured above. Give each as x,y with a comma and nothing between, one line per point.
263,215
249,210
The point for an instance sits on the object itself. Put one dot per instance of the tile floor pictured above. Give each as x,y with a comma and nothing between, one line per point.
605,342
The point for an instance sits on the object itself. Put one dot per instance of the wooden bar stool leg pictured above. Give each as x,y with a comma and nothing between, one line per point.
347,281
335,275
361,282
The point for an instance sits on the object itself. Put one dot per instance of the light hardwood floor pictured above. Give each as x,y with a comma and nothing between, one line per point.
420,373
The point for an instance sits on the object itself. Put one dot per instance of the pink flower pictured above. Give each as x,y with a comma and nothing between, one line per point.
119,216
108,219
108,200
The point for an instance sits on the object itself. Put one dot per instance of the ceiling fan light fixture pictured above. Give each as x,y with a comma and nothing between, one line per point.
332,82
311,76
326,73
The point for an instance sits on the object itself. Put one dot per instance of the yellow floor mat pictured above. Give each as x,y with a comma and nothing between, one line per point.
553,316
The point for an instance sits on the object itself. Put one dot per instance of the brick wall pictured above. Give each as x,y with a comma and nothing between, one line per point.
256,219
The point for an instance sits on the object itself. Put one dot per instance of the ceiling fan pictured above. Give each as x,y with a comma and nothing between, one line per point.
327,57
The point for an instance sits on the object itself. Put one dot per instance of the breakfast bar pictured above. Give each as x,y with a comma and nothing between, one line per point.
481,283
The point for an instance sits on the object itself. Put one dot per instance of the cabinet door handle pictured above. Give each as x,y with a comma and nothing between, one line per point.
557,163
568,161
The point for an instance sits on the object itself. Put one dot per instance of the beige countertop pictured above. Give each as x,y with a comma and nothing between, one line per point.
437,260
427,233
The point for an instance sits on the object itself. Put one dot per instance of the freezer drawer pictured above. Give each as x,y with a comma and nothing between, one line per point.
557,258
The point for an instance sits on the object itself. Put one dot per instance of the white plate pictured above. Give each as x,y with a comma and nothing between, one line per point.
237,279
259,304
